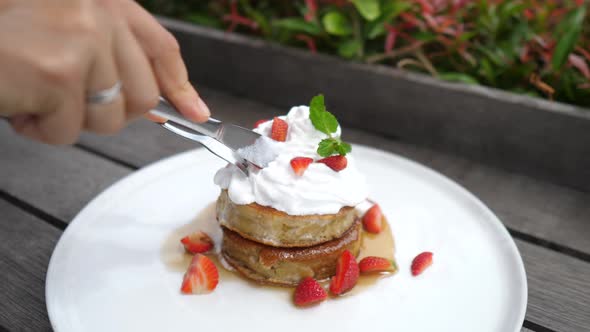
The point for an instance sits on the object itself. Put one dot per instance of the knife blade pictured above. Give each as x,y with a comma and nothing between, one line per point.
230,135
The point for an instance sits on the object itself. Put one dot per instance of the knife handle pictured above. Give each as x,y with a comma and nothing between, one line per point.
164,111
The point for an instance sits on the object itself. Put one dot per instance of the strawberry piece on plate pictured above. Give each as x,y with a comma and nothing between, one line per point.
259,122
197,242
309,292
201,277
337,163
279,129
347,274
376,264
421,262
373,220
300,164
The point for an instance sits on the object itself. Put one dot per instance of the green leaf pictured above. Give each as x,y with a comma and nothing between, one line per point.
518,36
567,41
327,147
510,8
337,24
369,9
465,36
349,49
389,11
331,146
298,25
321,119
425,36
495,55
564,47
317,104
258,17
343,148
204,20
488,71
375,29
458,77
325,122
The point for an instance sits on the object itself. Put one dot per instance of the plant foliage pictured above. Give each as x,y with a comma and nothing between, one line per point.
534,47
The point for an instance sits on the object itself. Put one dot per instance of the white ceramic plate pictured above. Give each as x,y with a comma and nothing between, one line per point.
117,267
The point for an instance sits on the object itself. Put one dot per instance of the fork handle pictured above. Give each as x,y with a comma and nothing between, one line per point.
167,111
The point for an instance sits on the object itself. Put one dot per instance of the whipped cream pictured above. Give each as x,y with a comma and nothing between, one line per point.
320,190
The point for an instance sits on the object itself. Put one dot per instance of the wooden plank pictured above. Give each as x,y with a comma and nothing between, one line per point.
518,133
559,296
57,180
140,144
26,244
544,210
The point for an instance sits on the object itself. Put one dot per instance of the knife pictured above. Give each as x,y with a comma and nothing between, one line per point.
231,136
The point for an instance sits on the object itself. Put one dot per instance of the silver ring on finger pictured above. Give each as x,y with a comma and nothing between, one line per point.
105,96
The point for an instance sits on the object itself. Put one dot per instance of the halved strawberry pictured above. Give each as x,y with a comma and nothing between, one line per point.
373,219
279,129
201,277
300,164
309,292
347,274
336,163
197,242
376,264
259,122
421,262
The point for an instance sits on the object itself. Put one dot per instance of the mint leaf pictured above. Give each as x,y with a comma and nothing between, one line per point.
331,146
326,122
321,119
327,147
343,148
317,104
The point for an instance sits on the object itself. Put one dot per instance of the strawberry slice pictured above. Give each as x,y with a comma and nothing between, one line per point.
259,122
347,274
300,164
201,277
421,262
279,130
197,242
336,163
373,220
376,264
309,292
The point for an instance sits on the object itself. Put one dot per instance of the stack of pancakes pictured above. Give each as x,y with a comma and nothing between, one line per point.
270,246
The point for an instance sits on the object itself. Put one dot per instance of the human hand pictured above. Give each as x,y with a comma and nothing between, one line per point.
55,53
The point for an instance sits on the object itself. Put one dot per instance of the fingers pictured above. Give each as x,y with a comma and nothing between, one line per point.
163,51
139,83
110,117
59,127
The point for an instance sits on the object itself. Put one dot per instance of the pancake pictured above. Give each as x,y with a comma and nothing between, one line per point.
287,266
276,228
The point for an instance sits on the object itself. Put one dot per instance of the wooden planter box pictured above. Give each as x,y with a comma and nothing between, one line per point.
543,139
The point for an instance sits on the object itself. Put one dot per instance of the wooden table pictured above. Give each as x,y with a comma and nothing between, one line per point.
43,187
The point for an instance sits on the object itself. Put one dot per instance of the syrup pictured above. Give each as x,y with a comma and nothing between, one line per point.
176,259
